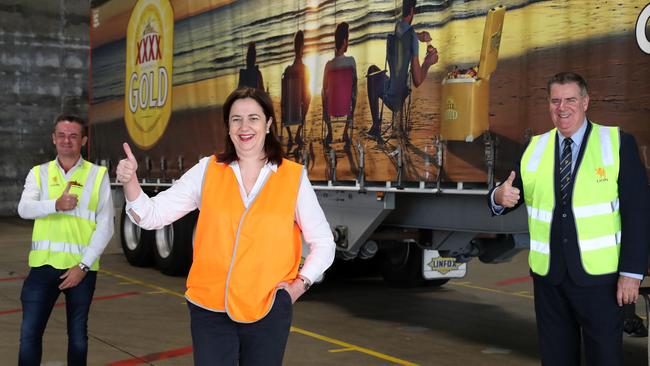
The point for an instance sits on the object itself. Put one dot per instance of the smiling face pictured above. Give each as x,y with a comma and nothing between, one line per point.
567,107
247,126
68,138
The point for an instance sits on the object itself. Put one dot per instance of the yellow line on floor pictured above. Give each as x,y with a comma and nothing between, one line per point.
524,294
351,346
476,287
323,338
341,350
142,283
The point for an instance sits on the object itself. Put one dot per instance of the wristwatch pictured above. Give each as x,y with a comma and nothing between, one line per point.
84,267
306,283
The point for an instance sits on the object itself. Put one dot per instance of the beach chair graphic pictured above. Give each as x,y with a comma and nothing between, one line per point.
293,109
249,78
398,94
340,101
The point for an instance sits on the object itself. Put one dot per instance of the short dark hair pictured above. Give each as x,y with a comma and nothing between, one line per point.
272,146
71,118
298,41
567,77
407,5
251,55
341,34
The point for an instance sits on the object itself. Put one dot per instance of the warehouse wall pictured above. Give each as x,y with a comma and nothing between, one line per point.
44,62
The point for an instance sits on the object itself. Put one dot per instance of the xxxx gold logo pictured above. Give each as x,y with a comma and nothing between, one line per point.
450,112
601,175
149,56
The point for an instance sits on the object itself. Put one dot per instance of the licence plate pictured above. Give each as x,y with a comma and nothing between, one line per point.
434,266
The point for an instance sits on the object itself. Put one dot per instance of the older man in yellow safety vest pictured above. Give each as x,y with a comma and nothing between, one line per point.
585,190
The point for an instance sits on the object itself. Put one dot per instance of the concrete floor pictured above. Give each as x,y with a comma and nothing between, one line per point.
139,317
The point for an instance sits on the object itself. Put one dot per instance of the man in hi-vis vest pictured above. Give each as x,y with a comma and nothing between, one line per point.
585,191
70,202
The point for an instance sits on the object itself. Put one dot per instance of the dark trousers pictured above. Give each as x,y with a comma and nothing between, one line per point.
39,294
376,85
568,314
217,340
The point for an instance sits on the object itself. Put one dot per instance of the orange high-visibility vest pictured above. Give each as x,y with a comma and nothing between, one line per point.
240,255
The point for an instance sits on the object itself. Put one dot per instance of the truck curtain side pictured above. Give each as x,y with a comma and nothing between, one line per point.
161,70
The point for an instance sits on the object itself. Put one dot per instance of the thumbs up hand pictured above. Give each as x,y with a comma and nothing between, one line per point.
67,201
506,195
126,169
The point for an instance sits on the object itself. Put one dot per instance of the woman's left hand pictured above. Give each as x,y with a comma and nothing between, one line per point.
295,289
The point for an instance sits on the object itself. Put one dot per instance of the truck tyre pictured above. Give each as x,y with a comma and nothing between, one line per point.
137,243
401,265
173,249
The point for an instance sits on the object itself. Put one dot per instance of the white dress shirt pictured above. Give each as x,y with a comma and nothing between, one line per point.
185,196
33,206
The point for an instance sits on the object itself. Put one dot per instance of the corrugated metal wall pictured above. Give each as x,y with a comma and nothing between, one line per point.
43,70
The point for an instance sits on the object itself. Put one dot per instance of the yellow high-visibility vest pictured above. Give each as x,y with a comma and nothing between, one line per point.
594,201
60,239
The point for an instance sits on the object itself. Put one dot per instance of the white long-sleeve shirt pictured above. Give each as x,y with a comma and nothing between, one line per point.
33,206
185,196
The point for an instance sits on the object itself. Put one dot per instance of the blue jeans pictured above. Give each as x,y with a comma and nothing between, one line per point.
217,340
39,294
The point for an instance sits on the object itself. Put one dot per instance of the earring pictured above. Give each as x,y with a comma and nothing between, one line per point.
268,130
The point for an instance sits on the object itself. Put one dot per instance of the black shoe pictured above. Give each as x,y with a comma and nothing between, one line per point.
634,327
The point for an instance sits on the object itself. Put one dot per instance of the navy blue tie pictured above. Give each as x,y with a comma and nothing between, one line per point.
565,169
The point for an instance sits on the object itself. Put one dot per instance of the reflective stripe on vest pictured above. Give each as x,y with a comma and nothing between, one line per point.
59,247
60,239
241,254
579,212
595,201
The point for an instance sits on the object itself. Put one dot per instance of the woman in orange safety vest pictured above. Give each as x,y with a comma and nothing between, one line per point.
254,206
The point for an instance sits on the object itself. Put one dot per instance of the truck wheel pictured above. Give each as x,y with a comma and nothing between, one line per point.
401,265
137,243
173,252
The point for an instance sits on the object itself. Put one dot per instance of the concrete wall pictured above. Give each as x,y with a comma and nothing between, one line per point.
44,62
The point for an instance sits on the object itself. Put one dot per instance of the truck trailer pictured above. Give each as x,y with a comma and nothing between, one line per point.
414,197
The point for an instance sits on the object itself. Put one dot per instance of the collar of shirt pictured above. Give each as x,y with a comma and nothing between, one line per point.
72,170
266,170
577,138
